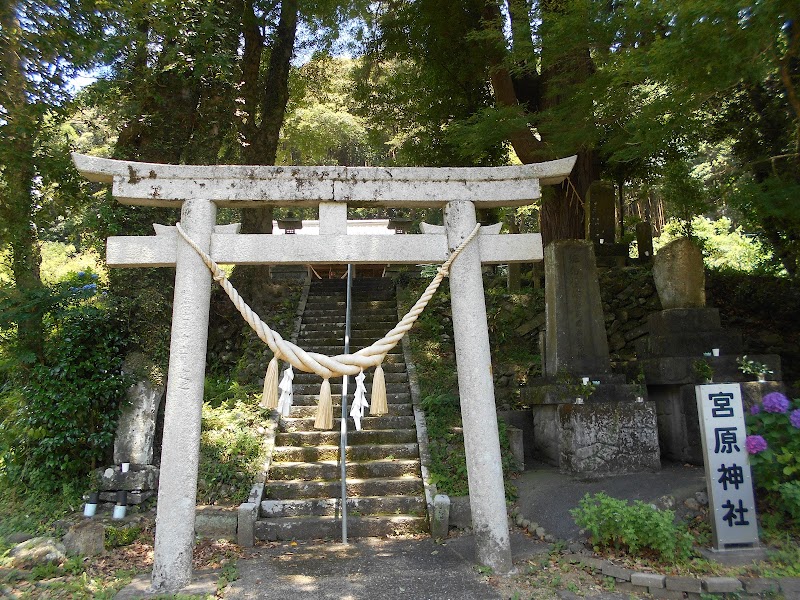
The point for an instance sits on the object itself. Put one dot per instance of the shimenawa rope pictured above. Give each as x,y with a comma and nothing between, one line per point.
312,362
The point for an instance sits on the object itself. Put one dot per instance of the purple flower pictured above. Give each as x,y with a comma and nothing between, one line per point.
755,444
755,409
794,418
776,403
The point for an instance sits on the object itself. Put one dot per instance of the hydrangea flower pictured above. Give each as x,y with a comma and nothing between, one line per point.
794,418
776,403
81,273
755,444
755,409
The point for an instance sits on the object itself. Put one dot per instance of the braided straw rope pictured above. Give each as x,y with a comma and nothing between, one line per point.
312,362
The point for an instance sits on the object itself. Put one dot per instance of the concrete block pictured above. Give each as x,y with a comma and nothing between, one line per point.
516,441
664,594
650,580
685,584
627,587
617,572
216,523
246,523
460,512
595,563
721,585
790,586
760,585
440,520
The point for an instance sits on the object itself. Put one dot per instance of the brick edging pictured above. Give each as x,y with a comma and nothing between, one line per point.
668,587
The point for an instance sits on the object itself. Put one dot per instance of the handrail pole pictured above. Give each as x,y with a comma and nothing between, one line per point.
343,436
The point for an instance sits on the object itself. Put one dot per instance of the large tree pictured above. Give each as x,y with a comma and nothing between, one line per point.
42,46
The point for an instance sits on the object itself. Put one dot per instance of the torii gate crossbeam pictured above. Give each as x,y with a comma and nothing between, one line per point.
199,190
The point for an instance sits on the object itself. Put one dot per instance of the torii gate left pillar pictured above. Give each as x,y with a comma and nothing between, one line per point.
199,190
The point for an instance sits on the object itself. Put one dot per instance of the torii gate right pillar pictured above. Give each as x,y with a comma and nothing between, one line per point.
476,391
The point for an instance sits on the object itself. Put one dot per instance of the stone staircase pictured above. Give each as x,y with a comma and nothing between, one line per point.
302,494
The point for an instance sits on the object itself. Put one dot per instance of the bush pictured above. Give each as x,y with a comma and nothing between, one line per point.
232,452
58,417
773,442
446,443
633,528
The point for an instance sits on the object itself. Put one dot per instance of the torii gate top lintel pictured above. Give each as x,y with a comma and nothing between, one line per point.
153,184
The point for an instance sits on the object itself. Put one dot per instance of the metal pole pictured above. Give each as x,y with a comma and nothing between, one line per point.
343,436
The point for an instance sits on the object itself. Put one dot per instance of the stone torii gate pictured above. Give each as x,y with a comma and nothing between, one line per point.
200,190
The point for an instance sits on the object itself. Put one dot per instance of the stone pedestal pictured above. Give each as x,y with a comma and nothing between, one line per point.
679,338
141,483
598,437
606,426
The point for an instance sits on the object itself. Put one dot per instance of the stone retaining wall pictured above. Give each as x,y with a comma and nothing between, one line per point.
665,586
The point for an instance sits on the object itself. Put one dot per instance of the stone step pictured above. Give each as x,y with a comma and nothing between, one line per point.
358,283
306,400
355,453
332,302
312,389
354,438
300,411
387,368
395,486
329,470
334,338
290,424
389,377
337,350
356,507
306,528
357,316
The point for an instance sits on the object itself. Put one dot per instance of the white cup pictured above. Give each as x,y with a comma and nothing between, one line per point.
715,351
125,467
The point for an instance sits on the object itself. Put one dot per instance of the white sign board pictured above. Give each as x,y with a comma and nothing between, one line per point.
730,487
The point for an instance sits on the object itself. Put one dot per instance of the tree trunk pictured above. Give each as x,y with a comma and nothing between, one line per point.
16,209
562,214
265,108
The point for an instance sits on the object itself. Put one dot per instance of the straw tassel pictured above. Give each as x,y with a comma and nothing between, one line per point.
269,397
378,405
324,418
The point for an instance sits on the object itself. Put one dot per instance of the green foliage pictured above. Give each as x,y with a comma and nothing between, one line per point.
231,448
33,511
121,536
776,469
635,528
724,246
752,367
446,443
59,416
684,194
702,370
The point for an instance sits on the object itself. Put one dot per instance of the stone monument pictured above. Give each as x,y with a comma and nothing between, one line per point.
586,419
686,340
133,442
601,225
